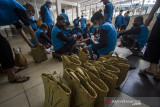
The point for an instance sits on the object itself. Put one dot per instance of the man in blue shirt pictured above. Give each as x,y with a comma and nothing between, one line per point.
83,22
67,30
41,36
46,16
65,15
76,21
108,37
12,12
61,43
119,21
108,11
126,20
139,35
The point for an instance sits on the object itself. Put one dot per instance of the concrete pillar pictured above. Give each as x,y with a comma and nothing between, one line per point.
36,9
142,7
78,10
58,6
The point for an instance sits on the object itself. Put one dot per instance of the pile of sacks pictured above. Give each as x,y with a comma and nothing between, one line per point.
89,81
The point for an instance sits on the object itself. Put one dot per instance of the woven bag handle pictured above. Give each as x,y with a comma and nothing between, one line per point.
56,73
83,74
113,53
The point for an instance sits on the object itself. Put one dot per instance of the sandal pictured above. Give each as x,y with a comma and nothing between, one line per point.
20,79
145,72
20,69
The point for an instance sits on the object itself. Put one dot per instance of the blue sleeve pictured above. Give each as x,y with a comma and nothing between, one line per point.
98,39
90,47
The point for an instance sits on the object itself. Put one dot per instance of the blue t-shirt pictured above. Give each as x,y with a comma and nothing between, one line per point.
158,16
83,22
38,34
33,25
109,11
76,21
66,16
8,15
119,20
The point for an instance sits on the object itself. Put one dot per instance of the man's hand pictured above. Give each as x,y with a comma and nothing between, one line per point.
40,45
148,20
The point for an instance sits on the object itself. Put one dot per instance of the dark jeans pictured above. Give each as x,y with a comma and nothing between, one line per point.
123,27
66,48
6,55
152,53
49,31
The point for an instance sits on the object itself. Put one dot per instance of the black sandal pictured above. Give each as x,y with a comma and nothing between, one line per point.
17,80
20,69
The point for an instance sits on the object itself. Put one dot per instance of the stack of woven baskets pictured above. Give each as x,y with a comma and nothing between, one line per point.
89,81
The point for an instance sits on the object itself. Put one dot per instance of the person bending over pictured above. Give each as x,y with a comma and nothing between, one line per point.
86,33
108,37
61,43
12,13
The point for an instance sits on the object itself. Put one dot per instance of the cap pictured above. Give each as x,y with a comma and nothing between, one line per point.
50,1
60,17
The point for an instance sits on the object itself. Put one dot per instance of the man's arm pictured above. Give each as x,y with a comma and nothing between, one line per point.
23,16
132,31
106,10
150,16
116,20
43,12
102,42
62,37
45,37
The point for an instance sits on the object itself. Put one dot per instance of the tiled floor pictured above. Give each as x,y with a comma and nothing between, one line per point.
31,93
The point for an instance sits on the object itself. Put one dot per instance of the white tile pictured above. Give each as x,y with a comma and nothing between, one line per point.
18,101
35,78
9,90
36,96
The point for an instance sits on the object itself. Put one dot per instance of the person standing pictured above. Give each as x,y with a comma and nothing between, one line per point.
126,20
152,52
119,21
65,15
16,13
76,21
46,16
83,22
108,11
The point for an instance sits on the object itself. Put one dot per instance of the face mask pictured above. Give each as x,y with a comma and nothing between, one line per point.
67,28
96,26
49,6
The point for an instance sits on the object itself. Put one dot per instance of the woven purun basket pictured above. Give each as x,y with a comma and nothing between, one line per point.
98,85
109,57
83,95
56,93
70,62
83,56
109,79
20,59
39,54
123,72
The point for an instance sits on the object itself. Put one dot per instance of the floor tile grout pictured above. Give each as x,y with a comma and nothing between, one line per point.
26,96
33,87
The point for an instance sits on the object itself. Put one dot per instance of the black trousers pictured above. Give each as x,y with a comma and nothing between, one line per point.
49,31
152,53
123,27
66,48
6,55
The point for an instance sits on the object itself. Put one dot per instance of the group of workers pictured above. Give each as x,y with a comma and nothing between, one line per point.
63,38
121,21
